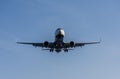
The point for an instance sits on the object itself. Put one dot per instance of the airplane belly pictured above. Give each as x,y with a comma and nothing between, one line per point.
58,50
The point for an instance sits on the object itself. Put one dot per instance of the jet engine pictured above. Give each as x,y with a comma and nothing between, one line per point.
72,44
46,43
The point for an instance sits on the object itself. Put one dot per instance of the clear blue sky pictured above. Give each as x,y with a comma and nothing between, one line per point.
82,20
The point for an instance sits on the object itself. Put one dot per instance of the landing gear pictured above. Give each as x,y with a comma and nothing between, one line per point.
51,50
65,50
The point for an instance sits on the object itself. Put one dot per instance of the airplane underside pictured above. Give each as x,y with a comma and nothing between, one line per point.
58,50
58,45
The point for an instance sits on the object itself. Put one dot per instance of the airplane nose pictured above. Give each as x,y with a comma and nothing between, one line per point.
60,32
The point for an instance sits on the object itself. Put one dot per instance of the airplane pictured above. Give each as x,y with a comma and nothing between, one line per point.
58,45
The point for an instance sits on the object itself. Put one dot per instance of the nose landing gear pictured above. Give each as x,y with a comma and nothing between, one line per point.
65,50
51,50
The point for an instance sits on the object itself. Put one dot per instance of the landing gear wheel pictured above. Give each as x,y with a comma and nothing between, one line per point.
51,50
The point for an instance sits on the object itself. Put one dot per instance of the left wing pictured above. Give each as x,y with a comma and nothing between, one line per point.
34,44
50,45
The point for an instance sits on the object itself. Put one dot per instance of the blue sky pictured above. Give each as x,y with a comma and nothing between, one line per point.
82,20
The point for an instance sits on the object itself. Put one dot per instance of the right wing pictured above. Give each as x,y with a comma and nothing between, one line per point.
68,45
85,43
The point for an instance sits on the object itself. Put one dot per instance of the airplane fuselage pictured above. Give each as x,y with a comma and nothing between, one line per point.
59,37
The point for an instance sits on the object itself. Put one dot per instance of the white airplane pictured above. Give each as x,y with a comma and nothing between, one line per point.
58,45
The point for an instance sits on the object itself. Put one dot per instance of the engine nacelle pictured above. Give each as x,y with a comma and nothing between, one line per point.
72,44
46,43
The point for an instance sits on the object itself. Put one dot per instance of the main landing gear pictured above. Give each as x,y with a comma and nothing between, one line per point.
65,50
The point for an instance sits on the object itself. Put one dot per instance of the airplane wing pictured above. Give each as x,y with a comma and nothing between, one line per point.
37,44
85,43
69,45
34,44
52,45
